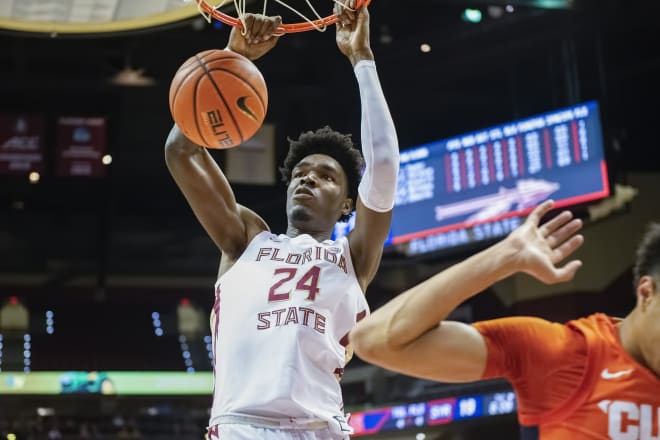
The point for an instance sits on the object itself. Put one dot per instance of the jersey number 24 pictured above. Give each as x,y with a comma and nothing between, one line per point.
308,282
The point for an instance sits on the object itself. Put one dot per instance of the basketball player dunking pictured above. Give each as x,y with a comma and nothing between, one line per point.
596,377
286,303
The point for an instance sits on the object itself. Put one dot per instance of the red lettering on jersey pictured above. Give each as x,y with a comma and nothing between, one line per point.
263,252
319,323
306,313
274,256
310,282
278,314
265,324
275,296
291,316
342,264
330,257
294,315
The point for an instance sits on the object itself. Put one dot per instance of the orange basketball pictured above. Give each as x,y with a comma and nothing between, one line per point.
218,98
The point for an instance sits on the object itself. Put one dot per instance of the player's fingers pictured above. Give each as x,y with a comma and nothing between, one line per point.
564,233
363,14
567,272
541,210
269,29
557,222
350,12
248,24
277,23
339,10
567,248
260,22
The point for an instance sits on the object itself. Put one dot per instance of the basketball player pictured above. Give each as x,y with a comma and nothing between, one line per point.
593,378
286,303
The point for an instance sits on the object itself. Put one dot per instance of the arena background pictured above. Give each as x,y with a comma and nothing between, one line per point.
116,257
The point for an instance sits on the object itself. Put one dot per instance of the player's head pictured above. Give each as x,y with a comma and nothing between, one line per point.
326,164
648,255
647,284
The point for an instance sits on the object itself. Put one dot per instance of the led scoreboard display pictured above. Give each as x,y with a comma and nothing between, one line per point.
500,172
474,187
435,412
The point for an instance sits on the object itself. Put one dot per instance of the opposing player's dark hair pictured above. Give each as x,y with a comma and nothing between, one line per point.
648,255
327,141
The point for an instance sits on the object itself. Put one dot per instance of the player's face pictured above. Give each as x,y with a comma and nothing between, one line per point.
316,196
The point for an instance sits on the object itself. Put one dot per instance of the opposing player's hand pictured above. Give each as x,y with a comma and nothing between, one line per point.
257,37
540,249
353,31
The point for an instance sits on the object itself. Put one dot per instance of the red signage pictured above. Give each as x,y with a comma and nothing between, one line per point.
81,145
21,143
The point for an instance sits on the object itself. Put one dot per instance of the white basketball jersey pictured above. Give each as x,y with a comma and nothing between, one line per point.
282,316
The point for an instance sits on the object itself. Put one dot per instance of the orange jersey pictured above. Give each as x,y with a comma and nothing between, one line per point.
573,381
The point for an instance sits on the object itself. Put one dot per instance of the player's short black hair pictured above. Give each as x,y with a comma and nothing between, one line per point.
326,141
648,255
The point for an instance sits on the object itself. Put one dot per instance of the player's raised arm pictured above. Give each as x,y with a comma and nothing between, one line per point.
409,333
207,191
380,146
197,174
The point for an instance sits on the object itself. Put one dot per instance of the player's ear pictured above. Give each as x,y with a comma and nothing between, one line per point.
646,290
347,206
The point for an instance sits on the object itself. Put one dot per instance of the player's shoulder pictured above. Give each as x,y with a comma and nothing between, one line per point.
516,322
597,328
515,329
254,223
594,321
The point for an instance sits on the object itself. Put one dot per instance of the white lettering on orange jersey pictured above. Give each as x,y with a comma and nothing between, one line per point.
630,421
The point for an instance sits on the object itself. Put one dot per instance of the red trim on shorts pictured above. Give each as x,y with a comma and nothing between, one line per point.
212,432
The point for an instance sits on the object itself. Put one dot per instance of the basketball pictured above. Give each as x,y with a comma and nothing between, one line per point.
218,98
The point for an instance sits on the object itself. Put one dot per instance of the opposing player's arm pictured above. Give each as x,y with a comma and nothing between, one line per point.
409,333
209,194
379,146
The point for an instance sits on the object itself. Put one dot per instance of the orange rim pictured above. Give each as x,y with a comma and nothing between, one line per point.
290,28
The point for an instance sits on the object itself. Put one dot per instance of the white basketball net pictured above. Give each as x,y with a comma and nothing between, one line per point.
239,6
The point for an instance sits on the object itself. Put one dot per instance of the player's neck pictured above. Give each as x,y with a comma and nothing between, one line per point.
294,231
629,340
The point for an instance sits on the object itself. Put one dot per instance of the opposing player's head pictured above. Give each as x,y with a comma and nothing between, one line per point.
322,172
647,284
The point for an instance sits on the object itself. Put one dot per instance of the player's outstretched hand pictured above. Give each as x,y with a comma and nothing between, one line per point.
353,31
539,249
257,37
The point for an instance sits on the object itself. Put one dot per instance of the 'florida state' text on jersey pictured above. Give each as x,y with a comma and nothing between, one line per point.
281,318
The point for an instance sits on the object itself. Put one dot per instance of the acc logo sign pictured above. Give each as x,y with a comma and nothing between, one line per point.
638,420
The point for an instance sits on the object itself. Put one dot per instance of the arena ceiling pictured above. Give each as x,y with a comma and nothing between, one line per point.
111,16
